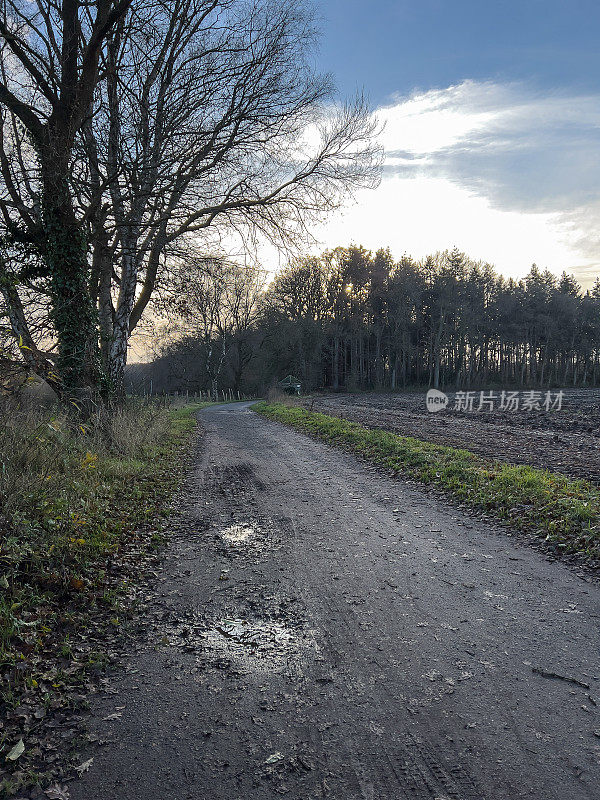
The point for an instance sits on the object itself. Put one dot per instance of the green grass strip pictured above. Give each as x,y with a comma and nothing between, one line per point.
560,509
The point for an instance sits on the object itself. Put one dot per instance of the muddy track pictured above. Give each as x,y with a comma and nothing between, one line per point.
320,631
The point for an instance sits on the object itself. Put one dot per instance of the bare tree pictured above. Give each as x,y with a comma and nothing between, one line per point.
216,304
49,70
155,123
211,118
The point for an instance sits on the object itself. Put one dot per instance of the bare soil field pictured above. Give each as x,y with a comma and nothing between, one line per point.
565,440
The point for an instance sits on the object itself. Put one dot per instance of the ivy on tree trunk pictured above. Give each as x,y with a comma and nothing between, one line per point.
72,311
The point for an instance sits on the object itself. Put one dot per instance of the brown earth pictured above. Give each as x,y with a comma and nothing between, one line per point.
565,440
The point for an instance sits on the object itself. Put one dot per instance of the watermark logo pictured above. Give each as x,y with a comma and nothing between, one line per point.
490,401
436,400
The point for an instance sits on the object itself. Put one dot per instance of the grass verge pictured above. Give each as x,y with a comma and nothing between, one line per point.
564,511
80,510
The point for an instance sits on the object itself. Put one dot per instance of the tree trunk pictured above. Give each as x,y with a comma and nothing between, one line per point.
335,375
72,310
437,351
117,355
101,292
378,360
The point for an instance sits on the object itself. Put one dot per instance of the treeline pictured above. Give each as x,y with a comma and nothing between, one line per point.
353,320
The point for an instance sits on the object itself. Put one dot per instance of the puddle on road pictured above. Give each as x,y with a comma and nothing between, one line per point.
238,534
247,645
247,537
243,636
255,645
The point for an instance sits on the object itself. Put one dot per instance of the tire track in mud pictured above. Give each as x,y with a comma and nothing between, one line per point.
388,763
412,769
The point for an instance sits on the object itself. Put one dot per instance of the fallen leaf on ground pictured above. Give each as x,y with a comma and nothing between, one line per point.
56,793
274,758
16,751
84,767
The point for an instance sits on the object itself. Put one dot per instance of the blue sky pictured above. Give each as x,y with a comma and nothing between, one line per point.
396,46
492,127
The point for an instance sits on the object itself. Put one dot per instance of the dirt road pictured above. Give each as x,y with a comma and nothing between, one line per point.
320,631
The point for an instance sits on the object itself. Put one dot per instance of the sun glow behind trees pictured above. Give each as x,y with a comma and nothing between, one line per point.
356,320
507,173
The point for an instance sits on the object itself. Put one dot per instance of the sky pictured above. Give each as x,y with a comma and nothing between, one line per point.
491,114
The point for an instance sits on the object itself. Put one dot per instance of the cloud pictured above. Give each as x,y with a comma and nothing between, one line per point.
420,215
507,173
523,150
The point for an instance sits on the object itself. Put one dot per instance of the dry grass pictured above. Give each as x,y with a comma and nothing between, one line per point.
40,448
70,493
275,395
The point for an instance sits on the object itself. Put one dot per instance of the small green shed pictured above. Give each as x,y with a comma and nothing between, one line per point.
290,385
